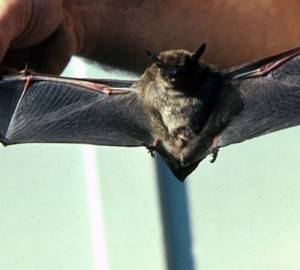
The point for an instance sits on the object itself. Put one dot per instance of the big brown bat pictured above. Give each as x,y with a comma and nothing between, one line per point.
180,107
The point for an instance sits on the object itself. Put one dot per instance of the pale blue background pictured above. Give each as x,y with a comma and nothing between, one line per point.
243,210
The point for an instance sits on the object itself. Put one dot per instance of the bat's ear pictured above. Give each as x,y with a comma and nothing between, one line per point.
195,57
154,58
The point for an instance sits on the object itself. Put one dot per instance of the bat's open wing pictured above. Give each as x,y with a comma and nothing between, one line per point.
39,108
272,100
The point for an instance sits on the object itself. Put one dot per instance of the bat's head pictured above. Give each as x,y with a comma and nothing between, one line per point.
176,59
179,67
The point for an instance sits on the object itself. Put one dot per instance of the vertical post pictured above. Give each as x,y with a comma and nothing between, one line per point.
175,218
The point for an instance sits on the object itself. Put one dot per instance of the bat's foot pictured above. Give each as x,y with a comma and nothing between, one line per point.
151,148
214,152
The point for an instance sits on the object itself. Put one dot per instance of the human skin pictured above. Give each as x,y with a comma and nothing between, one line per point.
46,33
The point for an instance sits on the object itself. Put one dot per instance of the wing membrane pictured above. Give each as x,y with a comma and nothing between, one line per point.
51,111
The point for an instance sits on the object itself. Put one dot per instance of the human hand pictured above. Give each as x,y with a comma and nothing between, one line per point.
39,33
46,33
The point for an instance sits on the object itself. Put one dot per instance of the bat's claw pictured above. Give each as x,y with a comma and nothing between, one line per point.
26,70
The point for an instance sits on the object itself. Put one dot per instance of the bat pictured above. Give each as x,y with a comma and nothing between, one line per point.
180,108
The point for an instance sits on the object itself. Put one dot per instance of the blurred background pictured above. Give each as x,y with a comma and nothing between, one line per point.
88,208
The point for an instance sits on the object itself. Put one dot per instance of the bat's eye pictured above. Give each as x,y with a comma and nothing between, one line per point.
173,74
